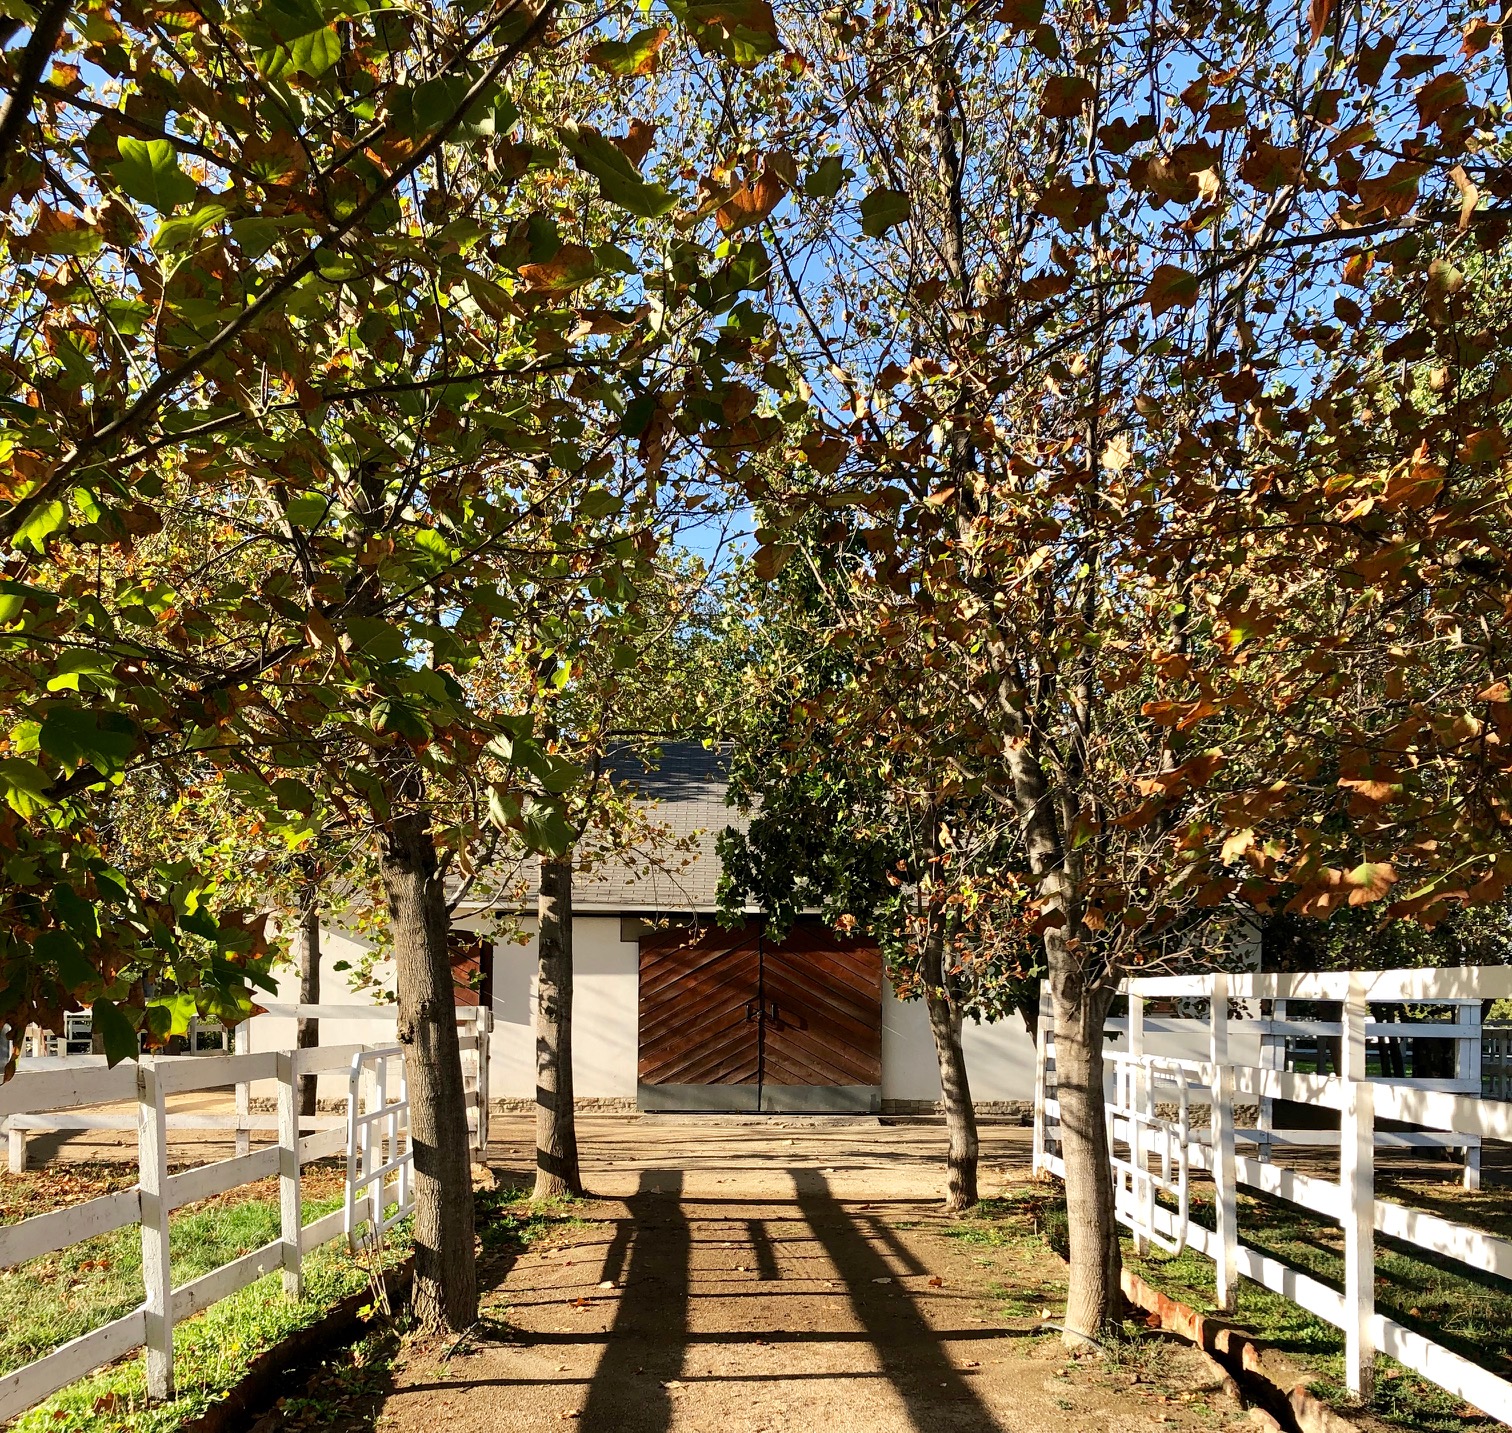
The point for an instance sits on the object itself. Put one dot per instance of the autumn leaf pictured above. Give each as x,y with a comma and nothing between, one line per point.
639,55
635,144
1064,96
751,203
570,268
1170,287
1469,195
1369,881
1394,192
1416,484
1318,14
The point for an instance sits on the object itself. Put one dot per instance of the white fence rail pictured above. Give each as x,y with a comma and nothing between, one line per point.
379,1154
1449,1112
475,1025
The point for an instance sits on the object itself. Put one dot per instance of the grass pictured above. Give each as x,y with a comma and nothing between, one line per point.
47,1301
1466,1310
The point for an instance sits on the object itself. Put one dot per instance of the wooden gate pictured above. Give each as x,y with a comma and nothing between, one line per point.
732,1021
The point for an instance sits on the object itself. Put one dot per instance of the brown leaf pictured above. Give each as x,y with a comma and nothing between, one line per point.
1318,15
1065,95
1394,192
1469,195
636,144
1170,287
751,203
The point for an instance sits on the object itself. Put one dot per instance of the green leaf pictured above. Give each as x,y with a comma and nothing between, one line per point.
881,210
115,1030
546,830
376,640
599,502
290,36
402,718
148,170
181,233
60,950
308,510
105,740
619,180
25,785
825,181
420,109
45,520
632,57
293,795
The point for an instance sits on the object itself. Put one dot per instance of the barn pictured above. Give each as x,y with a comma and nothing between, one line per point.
674,1012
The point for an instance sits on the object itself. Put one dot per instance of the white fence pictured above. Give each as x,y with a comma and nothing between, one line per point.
1147,1088
55,1093
475,1025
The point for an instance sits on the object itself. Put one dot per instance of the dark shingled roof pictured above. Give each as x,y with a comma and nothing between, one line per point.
683,784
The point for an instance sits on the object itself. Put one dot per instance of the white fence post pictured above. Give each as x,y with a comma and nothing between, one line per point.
1043,1032
1272,1057
243,1043
1140,1103
1225,1178
1357,1190
17,1151
1467,1068
290,1205
157,1275
485,1038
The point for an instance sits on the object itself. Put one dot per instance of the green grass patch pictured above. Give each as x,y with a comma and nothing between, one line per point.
48,1301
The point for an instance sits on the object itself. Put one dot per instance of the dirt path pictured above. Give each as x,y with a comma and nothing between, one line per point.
761,1280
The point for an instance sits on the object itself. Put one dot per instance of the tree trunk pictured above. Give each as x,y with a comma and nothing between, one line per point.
446,1279
1093,1296
960,1113
557,1171
308,1030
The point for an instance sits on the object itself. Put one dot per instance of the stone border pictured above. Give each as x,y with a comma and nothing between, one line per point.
1279,1405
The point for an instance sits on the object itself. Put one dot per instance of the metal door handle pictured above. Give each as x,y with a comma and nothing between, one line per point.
752,1009
773,1016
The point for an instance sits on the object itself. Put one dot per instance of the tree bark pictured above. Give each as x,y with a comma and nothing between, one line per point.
446,1280
955,1088
307,1035
1093,1296
557,1170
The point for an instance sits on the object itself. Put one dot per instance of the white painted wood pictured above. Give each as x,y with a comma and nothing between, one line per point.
243,1042
211,1288
152,1159
16,1140
1467,1380
289,1011
1225,1177
290,1204
1439,1109
179,1073
1321,1196
485,1043
1433,1234
1357,1179
1289,1085
207,1180
1044,1033
1427,986
47,1233
322,1144
66,1088
321,1231
329,1057
24,1387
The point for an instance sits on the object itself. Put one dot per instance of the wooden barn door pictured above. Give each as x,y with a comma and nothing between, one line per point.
821,1034
700,1035
730,1021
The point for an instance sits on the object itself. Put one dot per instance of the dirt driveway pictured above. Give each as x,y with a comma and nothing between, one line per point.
767,1279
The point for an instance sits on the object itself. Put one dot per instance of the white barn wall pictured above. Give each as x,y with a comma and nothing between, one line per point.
999,1057
605,1013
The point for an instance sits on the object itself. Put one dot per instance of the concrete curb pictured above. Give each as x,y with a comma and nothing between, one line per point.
1284,1405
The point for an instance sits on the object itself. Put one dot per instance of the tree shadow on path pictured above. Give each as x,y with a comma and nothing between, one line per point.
650,1259
934,1392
